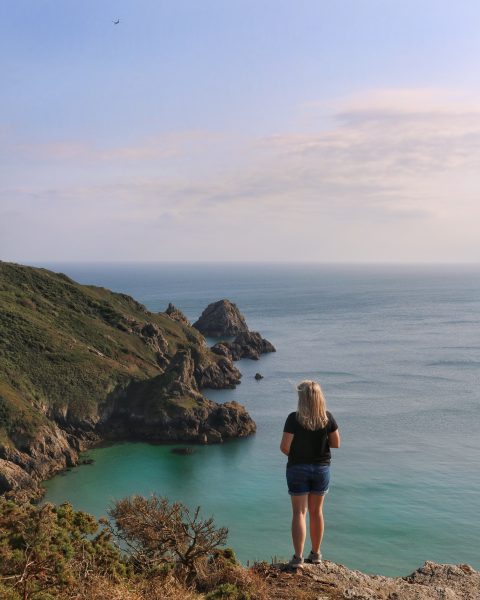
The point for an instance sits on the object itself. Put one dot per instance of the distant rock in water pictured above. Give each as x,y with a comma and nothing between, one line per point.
176,314
221,318
248,344
258,376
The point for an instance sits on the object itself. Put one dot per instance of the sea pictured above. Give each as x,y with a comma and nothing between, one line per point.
396,350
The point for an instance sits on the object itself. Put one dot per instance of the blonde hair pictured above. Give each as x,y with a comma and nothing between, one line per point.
312,409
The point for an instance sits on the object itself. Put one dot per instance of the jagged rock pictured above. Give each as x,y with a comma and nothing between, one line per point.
222,349
248,344
94,375
217,376
258,376
153,337
204,421
13,477
221,318
182,370
430,582
177,411
176,314
33,460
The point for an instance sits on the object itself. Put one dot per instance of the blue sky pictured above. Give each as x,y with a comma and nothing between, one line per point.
239,130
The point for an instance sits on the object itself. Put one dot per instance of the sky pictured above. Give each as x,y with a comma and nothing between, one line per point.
240,130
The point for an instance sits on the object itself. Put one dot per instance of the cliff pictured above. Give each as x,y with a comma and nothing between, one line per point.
151,549
80,363
332,581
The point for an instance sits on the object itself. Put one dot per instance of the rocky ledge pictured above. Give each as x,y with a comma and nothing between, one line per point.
331,581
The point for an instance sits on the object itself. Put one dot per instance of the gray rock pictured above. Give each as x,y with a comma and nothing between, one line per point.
176,314
249,344
221,318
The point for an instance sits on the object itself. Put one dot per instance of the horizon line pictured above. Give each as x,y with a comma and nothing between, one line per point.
37,262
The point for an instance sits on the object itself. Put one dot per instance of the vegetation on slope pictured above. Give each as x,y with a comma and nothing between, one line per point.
66,349
162,550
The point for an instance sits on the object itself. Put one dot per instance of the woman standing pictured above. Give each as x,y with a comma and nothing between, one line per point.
307,438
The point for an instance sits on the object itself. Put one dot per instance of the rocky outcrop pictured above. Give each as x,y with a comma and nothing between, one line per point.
166,408
221,318
153,337
170,408
177,315
205,423
331,581
31,460
218,375
249,344
79,364
13,477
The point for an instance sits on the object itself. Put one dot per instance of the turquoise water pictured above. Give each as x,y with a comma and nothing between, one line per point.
397,351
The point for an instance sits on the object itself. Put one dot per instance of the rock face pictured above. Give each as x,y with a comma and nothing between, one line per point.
171,408
249,344
80,364
221,318
177,315
218,375
331,581
32,460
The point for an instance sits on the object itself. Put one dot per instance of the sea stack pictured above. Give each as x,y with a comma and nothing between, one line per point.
221,318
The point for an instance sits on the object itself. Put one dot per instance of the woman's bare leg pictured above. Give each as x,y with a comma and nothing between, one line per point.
299,527
315,511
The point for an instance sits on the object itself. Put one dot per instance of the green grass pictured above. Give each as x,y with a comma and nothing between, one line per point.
64,346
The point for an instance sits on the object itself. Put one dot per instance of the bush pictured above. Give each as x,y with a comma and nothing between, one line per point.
149,550
44,549
161,536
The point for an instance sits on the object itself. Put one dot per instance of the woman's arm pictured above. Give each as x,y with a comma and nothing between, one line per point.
334,439
286,442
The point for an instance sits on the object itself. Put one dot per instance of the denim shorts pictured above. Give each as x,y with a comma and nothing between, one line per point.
308,479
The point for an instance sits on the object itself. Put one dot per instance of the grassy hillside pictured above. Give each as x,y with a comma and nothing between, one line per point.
64,346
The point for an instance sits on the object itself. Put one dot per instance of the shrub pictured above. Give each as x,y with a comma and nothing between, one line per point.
44,549
160,536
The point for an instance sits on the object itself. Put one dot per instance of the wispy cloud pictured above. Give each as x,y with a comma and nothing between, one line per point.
393,160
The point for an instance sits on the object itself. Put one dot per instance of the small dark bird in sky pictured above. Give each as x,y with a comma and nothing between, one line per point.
116,22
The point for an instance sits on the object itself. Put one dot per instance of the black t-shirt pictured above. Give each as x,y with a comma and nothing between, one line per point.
309,446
